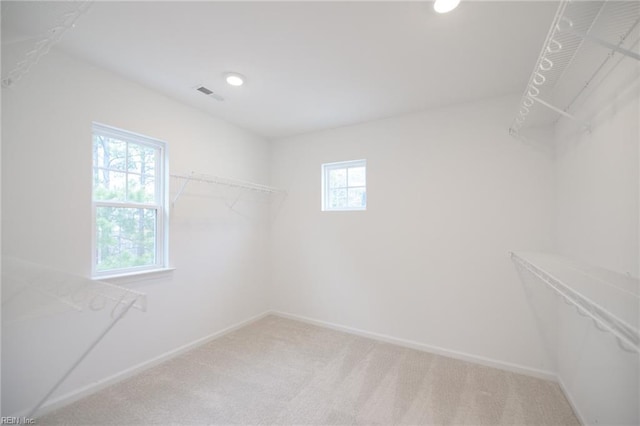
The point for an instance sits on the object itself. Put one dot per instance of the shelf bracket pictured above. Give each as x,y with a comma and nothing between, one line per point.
585,124
184,184
93,344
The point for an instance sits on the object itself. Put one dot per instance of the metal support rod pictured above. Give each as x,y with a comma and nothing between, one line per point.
181,189
626,340
235,201
560,111
604,43
81,358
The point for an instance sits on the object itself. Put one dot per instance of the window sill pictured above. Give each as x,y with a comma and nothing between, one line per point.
130,277
345,210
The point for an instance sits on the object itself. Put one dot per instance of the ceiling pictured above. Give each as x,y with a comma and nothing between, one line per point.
309,65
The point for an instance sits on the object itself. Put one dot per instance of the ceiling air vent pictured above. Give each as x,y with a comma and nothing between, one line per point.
204,90
209,93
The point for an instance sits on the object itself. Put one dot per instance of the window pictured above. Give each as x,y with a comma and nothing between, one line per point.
129,211
344,185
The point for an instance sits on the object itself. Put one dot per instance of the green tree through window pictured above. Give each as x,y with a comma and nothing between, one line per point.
128,201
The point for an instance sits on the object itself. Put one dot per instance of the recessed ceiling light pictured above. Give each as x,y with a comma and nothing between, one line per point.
444,6
234,79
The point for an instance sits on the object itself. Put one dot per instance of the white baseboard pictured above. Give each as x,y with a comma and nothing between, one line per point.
572,403
92,388
502,365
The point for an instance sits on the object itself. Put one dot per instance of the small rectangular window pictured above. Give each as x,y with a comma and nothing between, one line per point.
129,202
344,186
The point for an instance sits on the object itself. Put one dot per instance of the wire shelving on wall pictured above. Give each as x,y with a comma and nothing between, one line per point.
581,45
44,44
211,179
609,299
51,321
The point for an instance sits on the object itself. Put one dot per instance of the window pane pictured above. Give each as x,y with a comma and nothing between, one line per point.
344,185
142,159
357,176
337,198
142,189
108,185
109,153
125,237
338,178
357,197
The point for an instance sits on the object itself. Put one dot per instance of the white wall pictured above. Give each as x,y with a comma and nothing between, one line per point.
46,198
450,193
598,193
598,177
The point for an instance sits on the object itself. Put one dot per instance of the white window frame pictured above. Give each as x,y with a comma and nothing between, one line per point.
326,168
161,207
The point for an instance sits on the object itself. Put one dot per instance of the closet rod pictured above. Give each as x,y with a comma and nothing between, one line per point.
627,337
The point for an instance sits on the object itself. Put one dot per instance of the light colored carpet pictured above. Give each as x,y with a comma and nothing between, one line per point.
279,371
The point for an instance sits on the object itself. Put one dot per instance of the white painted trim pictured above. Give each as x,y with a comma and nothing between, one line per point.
502,365
581,418
160,204
92,388
326,168
146,274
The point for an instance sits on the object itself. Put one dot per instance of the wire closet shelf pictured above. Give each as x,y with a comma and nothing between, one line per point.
217,180
611,303
44,44
558,78
35,296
